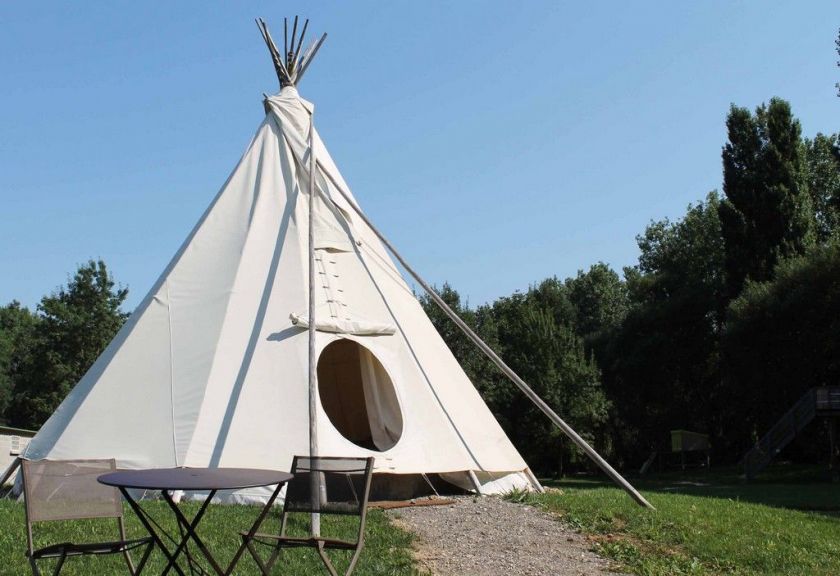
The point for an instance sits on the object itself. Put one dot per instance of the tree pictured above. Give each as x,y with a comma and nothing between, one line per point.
682,257
767,212
599,298
76,324
659,365
17,326
782,337
552,295
534,335
537,340
823,155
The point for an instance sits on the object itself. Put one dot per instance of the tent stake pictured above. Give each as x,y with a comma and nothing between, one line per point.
506,370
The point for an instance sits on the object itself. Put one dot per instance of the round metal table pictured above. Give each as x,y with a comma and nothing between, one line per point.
167,480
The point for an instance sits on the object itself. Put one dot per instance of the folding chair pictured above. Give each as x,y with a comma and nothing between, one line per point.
60,490
345,486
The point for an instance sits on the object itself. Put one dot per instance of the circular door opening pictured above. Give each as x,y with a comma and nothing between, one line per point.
358,396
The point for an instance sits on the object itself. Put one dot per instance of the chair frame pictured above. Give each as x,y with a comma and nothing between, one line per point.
320,543
66,550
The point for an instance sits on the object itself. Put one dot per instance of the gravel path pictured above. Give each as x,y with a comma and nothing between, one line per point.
491,537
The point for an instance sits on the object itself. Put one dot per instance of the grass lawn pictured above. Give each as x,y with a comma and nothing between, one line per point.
386,552
787,523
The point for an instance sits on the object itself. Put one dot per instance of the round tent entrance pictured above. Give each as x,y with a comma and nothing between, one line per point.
358,395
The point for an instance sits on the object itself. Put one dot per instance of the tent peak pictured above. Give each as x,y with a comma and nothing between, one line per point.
291,64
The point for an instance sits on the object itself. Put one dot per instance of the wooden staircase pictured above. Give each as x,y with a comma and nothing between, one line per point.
823,401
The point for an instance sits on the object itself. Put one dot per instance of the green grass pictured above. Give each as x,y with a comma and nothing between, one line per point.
387,549
786,523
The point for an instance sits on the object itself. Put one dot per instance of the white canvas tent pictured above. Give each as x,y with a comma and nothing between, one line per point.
213,367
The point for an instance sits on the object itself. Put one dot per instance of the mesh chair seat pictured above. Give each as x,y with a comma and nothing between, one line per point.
72,549
62,490
325,485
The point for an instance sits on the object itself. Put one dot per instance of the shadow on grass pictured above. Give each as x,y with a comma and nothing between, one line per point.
805,488
387,548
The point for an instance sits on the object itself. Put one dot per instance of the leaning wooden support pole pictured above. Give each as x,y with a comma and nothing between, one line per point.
308,57
506,370
10,471
534,482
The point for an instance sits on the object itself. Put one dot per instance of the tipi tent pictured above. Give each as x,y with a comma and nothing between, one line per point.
213,368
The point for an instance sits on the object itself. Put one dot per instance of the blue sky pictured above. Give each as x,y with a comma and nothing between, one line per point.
495,143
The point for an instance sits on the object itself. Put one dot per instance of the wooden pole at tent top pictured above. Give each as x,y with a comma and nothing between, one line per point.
506,370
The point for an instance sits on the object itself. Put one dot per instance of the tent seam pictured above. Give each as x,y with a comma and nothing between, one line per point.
230,293
171,375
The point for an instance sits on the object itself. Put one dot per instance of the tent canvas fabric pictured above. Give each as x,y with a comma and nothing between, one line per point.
211,369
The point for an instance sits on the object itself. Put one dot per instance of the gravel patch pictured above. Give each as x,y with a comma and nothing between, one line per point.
491,537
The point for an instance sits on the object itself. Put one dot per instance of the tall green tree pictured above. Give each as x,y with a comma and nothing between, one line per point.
686,257
660,366
600,300
782,337
823,156
534,335
552,295
17,333
767,212
76,324
537,339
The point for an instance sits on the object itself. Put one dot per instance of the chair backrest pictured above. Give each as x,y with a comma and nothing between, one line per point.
344,485
68,490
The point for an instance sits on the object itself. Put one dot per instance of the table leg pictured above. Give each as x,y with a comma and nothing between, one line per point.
141,515
254,528
190,527
191,534
192,565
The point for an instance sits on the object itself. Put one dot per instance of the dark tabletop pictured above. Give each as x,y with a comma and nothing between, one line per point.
194,478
